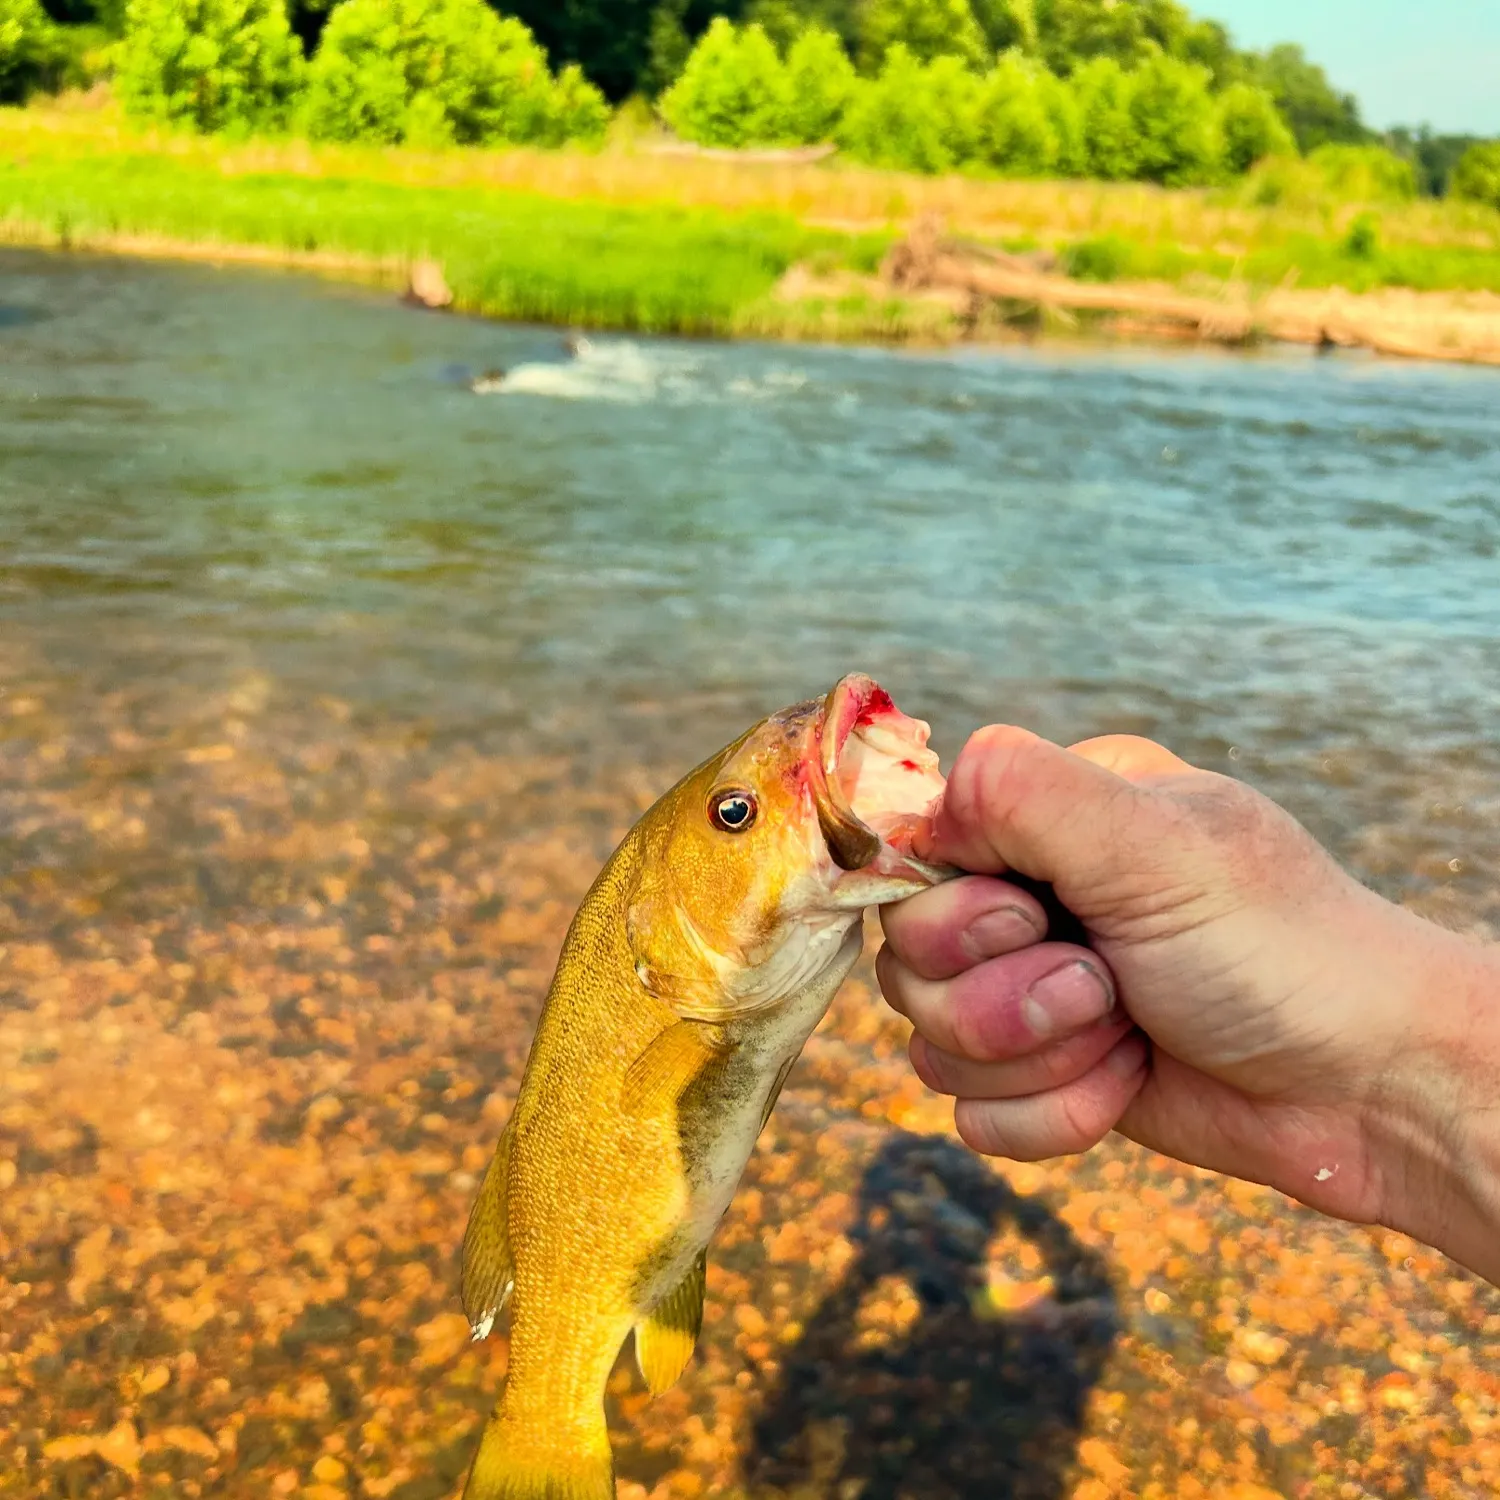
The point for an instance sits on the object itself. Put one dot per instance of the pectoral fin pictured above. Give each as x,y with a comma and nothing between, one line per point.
664,1342
489,1272
659,1077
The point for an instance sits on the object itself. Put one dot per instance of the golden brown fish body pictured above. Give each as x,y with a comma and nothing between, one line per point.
697,966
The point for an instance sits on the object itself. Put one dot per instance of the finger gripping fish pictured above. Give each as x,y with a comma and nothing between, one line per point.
698,964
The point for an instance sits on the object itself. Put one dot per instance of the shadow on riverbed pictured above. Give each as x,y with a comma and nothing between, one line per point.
909,1380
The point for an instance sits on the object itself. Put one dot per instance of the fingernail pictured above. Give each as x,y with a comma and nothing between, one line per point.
1000,931
1067,999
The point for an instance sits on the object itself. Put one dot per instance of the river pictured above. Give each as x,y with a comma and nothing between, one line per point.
325,684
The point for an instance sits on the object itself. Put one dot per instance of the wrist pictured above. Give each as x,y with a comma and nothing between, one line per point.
1434,1124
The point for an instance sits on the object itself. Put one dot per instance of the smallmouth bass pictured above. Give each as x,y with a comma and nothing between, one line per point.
698,964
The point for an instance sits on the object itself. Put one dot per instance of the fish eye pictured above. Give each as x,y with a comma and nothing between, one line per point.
733,812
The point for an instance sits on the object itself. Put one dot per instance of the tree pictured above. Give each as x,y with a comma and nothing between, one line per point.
1477,175
1070,32
1007,24
212,64
608,39
1104,92
1028,121
1434,156
733,91
434,72
1316,112
916,117
1363,174
24,47
1175,122
1250,127
785,20
820,83
926,28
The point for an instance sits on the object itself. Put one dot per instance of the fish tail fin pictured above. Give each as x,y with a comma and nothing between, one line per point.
522,1461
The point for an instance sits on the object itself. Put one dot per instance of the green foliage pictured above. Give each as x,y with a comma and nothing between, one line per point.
926,28
1072,32
610,40
1176,122
1364,174
916,117
1316,112
1028,123
1477,175
668,48
1007,24
656,268
1433,157
437,72
107,15
1104,92
212,64
1363,239
820,83
733,91
1331,175
1250,127
1103,259
785,20
26,46
938,113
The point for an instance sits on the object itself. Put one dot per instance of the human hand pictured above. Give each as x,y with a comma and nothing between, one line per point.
1242,1003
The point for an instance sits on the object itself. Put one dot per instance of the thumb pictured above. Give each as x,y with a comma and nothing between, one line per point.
1017,802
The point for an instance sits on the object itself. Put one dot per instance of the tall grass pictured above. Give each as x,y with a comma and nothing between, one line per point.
657,268
627,239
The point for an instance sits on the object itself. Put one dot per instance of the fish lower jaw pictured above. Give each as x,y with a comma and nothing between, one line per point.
869,888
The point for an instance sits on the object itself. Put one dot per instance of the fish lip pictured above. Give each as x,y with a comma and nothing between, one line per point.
852,843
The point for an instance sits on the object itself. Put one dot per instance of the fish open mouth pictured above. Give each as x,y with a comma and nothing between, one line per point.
880,783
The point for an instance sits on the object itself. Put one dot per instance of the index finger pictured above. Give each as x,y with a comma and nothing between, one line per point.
951,927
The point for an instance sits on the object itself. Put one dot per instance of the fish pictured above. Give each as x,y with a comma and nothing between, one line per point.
698,964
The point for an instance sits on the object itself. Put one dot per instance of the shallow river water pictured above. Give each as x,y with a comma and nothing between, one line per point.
325,685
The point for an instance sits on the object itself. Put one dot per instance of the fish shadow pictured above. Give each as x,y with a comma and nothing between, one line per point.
908,1380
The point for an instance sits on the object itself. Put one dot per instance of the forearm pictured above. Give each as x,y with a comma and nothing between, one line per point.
1438,1132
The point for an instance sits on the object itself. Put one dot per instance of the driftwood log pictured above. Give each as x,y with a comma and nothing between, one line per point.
1424,326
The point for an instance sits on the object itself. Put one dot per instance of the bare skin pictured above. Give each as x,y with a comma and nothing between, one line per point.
1244,1004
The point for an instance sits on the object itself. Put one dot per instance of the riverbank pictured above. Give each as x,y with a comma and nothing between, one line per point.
635,239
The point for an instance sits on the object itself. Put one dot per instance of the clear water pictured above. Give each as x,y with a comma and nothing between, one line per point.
1284,566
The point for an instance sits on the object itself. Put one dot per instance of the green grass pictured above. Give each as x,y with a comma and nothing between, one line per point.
1308,260
623,239
506,254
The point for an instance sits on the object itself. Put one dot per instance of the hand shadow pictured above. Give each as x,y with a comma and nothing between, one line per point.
950,1397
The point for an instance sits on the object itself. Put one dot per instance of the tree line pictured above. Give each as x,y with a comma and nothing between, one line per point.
1109,88
926,108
